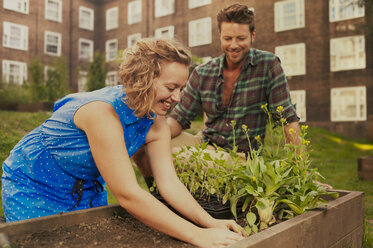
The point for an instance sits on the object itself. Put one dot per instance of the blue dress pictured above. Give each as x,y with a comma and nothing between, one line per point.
51,170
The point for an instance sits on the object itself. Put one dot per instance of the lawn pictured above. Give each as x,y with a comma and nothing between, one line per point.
334,155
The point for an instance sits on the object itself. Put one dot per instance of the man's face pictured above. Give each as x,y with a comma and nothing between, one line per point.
236,40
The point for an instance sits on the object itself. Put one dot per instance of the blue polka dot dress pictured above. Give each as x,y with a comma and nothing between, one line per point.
51,170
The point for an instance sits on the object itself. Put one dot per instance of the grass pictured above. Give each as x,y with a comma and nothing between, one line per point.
335,156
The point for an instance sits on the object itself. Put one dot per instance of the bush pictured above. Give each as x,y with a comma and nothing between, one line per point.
12,94
56,83
96,73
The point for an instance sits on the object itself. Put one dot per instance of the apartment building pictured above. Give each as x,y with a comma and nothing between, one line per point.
324,50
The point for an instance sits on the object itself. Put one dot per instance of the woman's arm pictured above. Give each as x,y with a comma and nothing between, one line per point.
169,185
105,135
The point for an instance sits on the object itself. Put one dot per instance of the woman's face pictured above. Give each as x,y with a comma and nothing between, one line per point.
169,84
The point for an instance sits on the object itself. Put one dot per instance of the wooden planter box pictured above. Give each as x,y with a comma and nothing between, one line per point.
365,168
340,224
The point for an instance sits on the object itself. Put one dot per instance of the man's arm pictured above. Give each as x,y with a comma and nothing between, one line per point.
292,133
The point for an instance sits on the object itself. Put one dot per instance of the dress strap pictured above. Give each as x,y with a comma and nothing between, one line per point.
77,192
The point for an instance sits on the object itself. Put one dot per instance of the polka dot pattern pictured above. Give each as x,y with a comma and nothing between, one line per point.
42,168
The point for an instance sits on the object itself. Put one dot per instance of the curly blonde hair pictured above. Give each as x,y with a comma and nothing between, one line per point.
142,64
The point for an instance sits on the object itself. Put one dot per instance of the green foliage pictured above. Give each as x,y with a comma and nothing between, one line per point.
37,85
57,80
278,184
11,94
96,73
38,89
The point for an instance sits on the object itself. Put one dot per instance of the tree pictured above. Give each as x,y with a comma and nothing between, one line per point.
57,80
37,85
97,73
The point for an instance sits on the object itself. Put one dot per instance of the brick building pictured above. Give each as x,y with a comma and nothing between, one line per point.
327,57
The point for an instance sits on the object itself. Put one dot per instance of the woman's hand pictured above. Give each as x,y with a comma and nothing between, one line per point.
215,237
228,225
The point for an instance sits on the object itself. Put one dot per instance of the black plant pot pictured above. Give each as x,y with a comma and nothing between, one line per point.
212,205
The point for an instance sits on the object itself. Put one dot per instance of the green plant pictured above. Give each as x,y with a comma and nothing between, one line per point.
57,80
275,182
37,84
11,94
96,73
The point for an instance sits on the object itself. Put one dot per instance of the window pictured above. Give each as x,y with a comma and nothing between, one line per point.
86,18
85,49
198,3
293,58
53,10
164,7
111,78
111,49
200,32
165,32
82,81
347,53
14,71
298,98
131,39
112,18
289,14
52,43
348,104
134,12
343,10
17,5
15,36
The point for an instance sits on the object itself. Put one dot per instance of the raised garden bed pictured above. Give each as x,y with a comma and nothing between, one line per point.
340,224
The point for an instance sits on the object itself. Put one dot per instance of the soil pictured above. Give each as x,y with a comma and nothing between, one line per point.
117,231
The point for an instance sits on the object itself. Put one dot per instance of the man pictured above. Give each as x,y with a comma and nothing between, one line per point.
234,87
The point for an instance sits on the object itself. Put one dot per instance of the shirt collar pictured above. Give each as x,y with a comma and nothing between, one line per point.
129,117
250,60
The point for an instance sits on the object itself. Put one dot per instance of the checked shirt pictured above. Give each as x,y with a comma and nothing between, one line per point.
261,81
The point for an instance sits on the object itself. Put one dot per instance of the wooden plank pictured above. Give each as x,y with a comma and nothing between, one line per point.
319,228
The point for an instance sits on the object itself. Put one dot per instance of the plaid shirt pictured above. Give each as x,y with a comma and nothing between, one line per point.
261,81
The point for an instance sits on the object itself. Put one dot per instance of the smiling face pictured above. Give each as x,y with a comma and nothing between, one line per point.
168,86
236,41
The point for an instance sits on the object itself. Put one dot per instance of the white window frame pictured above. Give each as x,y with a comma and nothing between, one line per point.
164,7
197,3
82,81
89,23
298,98
350,46
112,18
46,43
132,38
50,16
8,37
280,18
21,75
21,6
339,104
342,11
292,66
200,37
111,78
134,12
111,54
165,32
90,55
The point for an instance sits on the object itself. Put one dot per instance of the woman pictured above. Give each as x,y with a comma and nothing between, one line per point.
63,164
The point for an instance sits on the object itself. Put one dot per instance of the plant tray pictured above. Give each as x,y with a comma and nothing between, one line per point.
338,225
213,206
